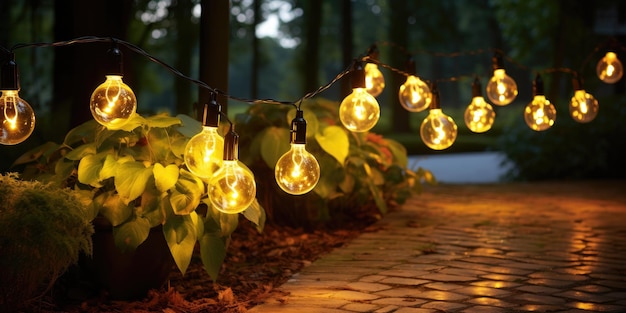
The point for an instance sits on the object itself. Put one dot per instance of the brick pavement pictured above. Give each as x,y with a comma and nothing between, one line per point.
541,247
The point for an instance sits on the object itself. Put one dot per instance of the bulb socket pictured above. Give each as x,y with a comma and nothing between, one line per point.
9,76
115,64
231,145
538,86
497,61
410,65
298,128
373,52
357,75
577,83
211,114
476,88
436,102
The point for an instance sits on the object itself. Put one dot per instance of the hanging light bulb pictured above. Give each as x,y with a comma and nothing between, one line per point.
113,102
609,68
359,111
539,114
232,188
438,131
297,171
374,79
501,89
583,107
17,118
479,115
204,152
414,94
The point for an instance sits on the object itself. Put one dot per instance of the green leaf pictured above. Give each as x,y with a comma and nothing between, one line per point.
186,193
165,177
131,179
180,234
274,143
134,121
82,133
162,120
398,151
151,206
226,223
113,208
109,167
334,140
131,234
255,214
378,196
213,253
63,169
190,126
89,169
81,151
41,151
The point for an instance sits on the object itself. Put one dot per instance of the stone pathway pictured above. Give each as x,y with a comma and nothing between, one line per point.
541,247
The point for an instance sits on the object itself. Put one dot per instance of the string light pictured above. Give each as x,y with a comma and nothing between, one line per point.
17,118
438,130
204,152
414,94
359,111
297,171
609,68
583,107
539,114
232,188
374,79
501,89
479,115
113,102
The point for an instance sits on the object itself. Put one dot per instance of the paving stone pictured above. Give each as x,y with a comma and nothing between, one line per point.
511,278
360,307
414,310
447,278
483,291
543,299
368,287
486,301
415,293
404,281
584,296
539,308
443,286
538,289
293,308
551,282
495,284
593,289
484,309
445,306
400,302
387,309
596,307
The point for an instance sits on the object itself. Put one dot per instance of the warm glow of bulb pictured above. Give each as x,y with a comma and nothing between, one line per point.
479,115
297,171
501,89
374,79
113,102
359,111
438,131
583,107
414,94
609,68
17,118
540,114
232,188
204,152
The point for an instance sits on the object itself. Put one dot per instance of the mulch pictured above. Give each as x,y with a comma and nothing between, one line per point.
255,265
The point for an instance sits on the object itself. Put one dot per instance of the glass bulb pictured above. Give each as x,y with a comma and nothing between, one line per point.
359,111
232,188
609,68
414,94
113,102
204,152
501,89
479,115
297,171
540,114
374,79
584,107
17,118
438,131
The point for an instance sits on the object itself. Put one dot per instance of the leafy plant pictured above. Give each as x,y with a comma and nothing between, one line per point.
136,178
43,230
358,170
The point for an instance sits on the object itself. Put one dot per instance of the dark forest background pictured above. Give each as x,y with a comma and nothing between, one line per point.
215,41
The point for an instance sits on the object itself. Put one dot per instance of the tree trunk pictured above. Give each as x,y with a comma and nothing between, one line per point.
311,61
184,50
398,34
214,50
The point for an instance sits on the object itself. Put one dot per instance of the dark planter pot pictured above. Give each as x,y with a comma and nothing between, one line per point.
130,275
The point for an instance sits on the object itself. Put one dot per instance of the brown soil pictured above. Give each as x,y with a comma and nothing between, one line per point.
256,264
